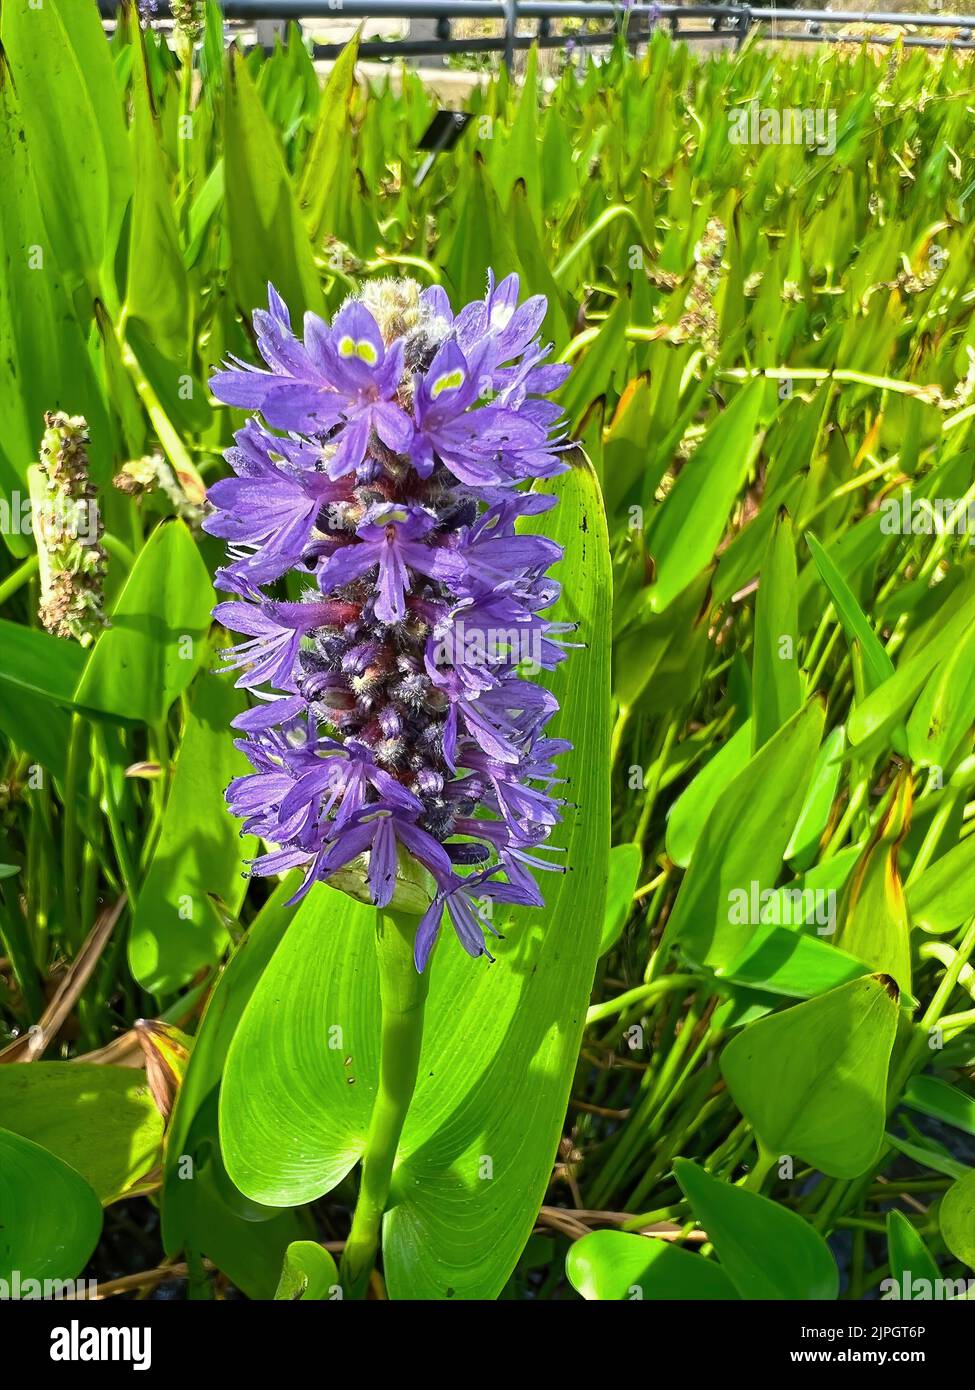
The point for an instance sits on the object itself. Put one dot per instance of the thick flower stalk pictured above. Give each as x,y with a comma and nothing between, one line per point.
395,724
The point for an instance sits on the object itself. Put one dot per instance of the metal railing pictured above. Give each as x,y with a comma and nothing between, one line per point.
635,22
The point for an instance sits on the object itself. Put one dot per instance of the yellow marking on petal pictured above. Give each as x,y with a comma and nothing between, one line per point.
361,348
450,381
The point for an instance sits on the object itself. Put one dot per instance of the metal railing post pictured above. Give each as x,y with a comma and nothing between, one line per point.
510,20
744,24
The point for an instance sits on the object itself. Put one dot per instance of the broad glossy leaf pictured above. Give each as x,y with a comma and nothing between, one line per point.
909,1258
50,1219
157,294
537,271
776,685
695,804
625,450
956,1216
814,817
308,1274
781,960
41,729
881,710
766,1250
201,1208
874,924
200,852
941,898
245,1240
39,664
624,873
592,374
743,842
614,1265
42,345
79,153
319,187
686,533
931,1096
517,157
223,1011
268,236
302,1069
877,665
659,658
945,709
155,644
481,238
100,1120
812,1080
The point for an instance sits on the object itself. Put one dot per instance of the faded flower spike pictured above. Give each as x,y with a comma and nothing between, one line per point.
395,723
188,18
67,530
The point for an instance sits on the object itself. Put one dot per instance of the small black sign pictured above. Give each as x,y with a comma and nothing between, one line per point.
444,131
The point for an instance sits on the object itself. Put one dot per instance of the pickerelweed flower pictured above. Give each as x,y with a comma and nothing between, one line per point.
67,529
394,719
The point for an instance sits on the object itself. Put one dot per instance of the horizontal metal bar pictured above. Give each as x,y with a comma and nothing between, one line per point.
438,48
557,9
769,14
404,9
908,40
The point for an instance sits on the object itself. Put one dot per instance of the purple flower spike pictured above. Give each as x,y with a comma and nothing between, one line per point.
396,713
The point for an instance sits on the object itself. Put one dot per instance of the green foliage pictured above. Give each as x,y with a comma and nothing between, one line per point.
613,1265
767,1251
51,1218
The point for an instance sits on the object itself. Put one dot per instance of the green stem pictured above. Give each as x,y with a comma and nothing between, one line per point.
15,944
619,727
18,578
933,835
640,995
69,841
115,829
169,437
403,994
184,51
118,550
603,220
764,1164
658,768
